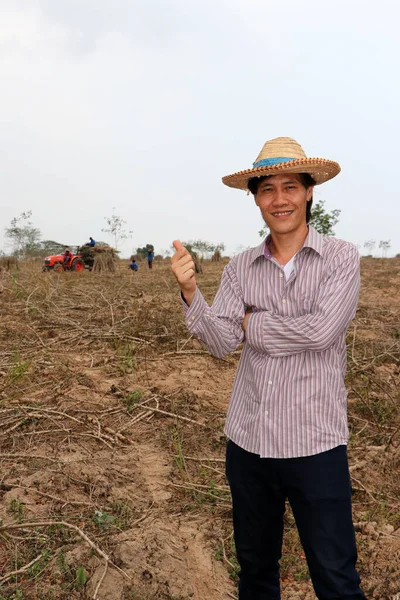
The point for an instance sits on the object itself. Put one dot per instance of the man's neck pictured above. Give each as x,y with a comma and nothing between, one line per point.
284,246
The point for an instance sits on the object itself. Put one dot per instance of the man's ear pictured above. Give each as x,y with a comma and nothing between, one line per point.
309,193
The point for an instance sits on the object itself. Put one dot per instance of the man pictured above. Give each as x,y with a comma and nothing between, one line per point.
133,266
150,257
92,242
67,257
290,300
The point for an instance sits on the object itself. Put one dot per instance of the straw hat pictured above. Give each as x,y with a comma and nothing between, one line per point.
284,155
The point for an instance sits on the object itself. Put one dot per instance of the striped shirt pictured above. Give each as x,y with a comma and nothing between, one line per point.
288,398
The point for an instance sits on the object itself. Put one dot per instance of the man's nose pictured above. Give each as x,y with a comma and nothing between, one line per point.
279,197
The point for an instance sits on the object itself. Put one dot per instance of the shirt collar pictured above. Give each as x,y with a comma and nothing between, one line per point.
313,240
258,251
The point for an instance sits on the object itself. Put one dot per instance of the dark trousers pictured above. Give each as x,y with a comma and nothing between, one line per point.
319,491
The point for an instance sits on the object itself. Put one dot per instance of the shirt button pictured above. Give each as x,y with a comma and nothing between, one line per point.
281,275
266,412
284,300
270,382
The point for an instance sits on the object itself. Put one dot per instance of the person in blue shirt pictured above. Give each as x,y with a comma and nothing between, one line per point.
150,258
133,265
92,242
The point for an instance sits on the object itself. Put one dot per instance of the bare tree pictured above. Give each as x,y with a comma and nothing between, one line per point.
385,245
370,245
116,228
23,236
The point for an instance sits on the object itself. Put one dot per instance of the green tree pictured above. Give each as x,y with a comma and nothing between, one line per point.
23,236
50,247
116,228
219,247
321,220
143,251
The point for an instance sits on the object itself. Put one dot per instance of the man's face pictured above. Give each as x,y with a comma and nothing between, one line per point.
282,200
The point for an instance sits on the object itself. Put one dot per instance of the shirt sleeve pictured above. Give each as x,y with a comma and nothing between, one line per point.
333,308
219,327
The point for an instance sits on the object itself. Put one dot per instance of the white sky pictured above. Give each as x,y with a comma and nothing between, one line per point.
144,106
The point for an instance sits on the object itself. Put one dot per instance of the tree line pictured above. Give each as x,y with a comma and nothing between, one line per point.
26,240
384,245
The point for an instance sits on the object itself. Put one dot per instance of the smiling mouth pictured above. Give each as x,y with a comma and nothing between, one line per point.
281,214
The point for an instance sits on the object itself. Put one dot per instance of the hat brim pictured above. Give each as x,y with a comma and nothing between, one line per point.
320,169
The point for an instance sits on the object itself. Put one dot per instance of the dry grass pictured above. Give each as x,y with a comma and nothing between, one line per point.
111,420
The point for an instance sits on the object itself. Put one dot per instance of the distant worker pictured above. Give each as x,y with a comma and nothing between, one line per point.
150,258
133,265
67,256
92,242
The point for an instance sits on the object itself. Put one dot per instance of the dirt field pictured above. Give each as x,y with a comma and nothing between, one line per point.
112,478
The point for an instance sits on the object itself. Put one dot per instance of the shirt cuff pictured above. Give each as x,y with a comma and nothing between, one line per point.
195,311
255,331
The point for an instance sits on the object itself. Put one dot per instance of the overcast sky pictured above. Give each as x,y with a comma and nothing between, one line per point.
144,106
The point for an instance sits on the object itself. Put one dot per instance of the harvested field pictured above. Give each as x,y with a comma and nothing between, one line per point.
111,444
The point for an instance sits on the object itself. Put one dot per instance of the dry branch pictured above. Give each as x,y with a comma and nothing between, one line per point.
8,576
83,535
364,488
228,562
205,459
98,586
46,495
200,491
175,416
27,456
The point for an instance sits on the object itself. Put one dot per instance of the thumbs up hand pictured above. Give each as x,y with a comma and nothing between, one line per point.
183,268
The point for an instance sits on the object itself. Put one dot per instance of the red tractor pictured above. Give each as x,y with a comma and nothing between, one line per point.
58,263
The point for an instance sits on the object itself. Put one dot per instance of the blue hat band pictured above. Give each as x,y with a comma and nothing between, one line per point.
270,162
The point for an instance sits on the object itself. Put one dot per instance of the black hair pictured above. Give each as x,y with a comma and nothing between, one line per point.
306,180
